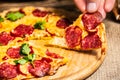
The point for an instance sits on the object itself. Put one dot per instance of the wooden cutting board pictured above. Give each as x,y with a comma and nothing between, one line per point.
81,64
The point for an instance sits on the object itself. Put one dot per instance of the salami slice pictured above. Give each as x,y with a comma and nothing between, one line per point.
53,55
8,70
5,38
91,41
48,60
13,52
21,30
31,50
63,23
39,13
21,11
73,36
91,20
5,58
39,68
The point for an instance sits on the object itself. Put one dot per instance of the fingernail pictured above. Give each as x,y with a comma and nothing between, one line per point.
91,7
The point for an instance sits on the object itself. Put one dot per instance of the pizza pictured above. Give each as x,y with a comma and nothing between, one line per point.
25,34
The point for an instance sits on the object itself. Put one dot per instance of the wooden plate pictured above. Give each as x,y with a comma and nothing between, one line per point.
81,64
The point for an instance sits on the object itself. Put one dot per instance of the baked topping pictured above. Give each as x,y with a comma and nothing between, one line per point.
13,16
91,20
5,38
73,36
22,30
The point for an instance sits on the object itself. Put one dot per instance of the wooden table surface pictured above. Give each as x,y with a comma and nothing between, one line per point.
110,69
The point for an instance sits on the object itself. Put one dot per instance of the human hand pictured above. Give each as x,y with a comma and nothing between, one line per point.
90,6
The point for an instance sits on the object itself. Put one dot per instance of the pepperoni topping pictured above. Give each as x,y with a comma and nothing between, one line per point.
48,60
8,70
39,68
53,55
63,23
21,30
31,50
91,20
5,38
5,58
39,13
13,52
91,41
21,11
73,36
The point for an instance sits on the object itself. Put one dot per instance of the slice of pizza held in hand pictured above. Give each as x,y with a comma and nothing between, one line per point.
86,33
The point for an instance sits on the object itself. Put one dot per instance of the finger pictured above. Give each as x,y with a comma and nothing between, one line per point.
101,9
81,4
92,5
109,4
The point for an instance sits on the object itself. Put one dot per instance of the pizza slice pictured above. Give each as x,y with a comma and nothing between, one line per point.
86,33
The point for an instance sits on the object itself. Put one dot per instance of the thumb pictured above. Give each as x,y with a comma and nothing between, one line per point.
92,5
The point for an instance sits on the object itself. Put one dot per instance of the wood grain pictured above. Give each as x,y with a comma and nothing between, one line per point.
81,64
